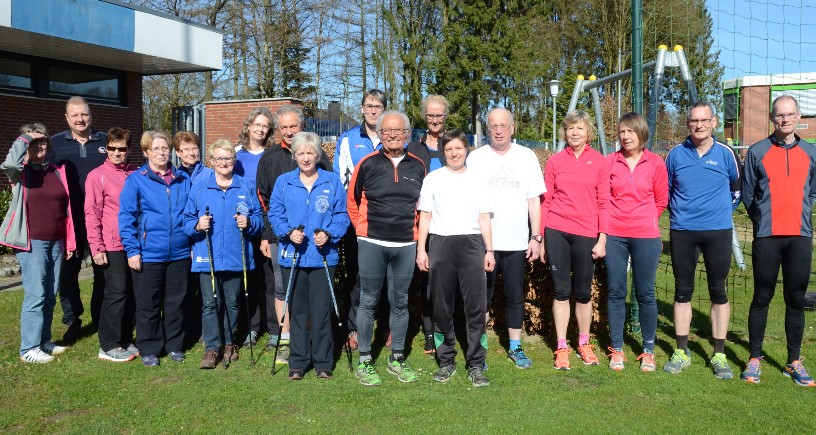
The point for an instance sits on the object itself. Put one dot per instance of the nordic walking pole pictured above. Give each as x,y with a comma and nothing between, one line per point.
215,292
246,295
209,252
286,304
334,303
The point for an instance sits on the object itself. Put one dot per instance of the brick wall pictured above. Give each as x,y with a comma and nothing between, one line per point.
21,110
224,119
754,108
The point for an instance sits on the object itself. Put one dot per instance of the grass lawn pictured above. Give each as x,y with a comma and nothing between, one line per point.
79,393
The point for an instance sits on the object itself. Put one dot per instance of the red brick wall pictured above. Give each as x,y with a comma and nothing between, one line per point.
755,105
224,119
21,110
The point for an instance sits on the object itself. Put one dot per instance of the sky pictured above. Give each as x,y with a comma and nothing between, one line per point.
763,37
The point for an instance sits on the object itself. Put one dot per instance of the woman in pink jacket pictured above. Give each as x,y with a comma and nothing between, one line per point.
102,189
640,192
573,221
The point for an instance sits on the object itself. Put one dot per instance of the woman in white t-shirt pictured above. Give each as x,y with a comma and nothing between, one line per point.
455,211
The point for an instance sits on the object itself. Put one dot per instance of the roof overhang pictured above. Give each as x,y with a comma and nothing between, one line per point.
108,34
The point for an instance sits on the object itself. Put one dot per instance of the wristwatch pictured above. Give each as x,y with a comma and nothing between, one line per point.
538,238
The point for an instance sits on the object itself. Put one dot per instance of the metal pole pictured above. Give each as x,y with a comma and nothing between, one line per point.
657,77
637,56
596,102
553,104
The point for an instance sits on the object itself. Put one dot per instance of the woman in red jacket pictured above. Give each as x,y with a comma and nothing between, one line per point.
573,221
102,189
640,191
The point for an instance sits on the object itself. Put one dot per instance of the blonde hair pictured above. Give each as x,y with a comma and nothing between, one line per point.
578,117
222,144
435,99
150,135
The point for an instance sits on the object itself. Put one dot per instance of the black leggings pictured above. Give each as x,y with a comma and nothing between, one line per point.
512,264
793,254
685,250
571,264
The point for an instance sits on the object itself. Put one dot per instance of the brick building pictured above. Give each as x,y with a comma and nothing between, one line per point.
747,102
99,49
224,119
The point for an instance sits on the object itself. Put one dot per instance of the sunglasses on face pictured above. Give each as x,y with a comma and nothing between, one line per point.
120,149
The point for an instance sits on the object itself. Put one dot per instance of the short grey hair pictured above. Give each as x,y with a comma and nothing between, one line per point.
307,139
783,98
499,109
406,122
698,105
435,99
286,110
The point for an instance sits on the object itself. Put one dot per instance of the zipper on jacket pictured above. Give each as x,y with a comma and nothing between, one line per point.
170,214
787,162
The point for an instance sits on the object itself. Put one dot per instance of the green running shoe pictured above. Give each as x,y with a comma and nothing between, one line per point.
720,366
403,370
679,360
367,374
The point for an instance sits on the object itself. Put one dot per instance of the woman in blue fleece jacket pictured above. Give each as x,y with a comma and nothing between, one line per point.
308,212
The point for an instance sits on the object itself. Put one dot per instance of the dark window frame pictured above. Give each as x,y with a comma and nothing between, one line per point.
40,79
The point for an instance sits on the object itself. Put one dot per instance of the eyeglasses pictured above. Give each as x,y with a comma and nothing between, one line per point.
393,131
372,107
499,127
289,127
261,126
700,121
784,116
160,150
432,116
120,149
188,150
222,160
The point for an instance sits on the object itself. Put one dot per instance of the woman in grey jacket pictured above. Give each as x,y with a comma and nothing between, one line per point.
39,227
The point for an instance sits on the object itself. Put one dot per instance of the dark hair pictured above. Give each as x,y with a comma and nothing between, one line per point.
452,135
376,94
637,123
118,134
185,136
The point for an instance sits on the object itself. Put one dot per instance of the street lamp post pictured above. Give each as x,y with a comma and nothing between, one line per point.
554,93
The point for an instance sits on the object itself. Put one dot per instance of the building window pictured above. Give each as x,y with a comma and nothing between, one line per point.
47,78
73,81
15,75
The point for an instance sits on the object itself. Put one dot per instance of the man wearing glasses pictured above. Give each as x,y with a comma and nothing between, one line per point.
778,190
80,149
701,173
515,186
351,147
382,199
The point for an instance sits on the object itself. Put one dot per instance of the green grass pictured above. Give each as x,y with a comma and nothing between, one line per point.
81,394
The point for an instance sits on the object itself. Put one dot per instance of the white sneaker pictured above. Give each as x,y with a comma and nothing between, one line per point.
36,356
53,349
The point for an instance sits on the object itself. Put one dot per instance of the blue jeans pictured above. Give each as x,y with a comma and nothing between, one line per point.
379,262
225,307
41,271
645,256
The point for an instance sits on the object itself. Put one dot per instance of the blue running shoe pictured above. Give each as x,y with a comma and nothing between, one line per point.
796,371
752,371
150,361
520,358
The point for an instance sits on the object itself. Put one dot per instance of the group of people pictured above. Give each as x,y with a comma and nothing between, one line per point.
395,209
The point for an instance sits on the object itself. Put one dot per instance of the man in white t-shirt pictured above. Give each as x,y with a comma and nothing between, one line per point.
515,183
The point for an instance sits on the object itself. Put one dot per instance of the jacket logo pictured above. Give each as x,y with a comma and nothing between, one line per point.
711,162
322,204
242,208
101,150
361,145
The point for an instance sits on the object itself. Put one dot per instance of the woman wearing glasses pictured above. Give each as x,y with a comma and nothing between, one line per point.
150,224
38,225
255,138
223,205
102,189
